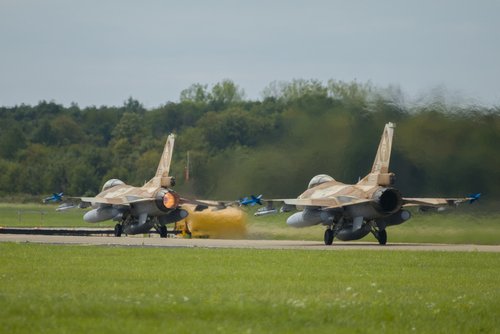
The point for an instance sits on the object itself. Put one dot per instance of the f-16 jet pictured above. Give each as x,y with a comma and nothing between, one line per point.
139,209
350,212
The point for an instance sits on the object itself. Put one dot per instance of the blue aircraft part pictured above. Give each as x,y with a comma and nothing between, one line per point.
474,197
54,198
251,201
256,200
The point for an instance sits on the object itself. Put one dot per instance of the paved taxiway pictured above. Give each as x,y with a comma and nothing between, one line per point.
139,241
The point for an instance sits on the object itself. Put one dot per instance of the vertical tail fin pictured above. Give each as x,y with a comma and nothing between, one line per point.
161,178
166,158
383,157
379,174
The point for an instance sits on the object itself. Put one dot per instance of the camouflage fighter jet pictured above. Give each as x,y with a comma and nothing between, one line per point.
350,212
139,209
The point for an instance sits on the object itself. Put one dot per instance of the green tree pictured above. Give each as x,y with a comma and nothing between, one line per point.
65,130
133,106
129,128
233,127
12,140
196,93
225,93
295,89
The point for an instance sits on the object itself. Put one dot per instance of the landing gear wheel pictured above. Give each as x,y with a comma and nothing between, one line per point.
163,231
118,230
382,237
328,236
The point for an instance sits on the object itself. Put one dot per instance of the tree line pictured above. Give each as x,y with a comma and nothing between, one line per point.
237,146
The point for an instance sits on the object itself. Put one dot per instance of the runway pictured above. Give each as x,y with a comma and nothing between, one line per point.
155,241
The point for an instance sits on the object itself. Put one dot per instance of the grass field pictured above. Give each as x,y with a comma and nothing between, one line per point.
25,215
467,224
82,289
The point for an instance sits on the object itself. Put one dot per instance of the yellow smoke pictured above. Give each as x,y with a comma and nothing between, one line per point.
229,223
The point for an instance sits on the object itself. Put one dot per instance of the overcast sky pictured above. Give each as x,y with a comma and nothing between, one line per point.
98,52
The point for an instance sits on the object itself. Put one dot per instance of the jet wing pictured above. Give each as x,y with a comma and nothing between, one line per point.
435,202
323,203
126,200
204,204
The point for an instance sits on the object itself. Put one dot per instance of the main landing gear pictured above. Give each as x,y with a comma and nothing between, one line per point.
118,230
331,232
329,236
379,232
163,231
381,236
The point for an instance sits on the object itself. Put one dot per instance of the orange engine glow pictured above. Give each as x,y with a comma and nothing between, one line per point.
170,200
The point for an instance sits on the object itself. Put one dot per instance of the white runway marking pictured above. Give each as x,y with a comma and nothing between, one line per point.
139,241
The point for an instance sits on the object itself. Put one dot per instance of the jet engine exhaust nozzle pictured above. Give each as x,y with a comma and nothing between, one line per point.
388,200
167,200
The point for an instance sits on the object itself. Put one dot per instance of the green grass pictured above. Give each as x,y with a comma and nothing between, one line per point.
84,289
467,224
40,215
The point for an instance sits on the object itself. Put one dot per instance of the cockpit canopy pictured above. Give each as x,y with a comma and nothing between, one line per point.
112,183
319,179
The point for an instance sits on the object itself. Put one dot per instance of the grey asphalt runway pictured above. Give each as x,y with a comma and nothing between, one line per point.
154,241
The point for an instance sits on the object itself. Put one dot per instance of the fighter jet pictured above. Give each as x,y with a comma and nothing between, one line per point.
139,209
350,212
